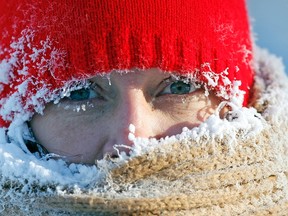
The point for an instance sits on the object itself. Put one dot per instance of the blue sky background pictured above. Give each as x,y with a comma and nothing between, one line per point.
270,22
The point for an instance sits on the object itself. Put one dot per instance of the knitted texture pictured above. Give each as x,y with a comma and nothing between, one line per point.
46,44
220,175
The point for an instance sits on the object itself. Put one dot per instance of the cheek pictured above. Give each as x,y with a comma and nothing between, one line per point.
207,106
184,111
77,137
192,108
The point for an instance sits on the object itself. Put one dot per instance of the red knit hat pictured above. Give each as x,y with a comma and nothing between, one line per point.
47,45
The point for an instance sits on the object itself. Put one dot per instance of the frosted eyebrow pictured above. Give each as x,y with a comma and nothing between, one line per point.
99,84
165,80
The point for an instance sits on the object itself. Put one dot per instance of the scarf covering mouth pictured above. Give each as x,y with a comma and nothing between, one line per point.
235,166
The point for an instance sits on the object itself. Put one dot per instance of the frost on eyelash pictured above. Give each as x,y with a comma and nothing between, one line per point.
70,87
78,108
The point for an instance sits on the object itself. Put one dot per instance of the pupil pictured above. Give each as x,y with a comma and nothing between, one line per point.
180,87
81,94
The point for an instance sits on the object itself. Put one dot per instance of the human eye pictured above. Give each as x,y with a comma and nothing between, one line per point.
87,91
83,94
178,87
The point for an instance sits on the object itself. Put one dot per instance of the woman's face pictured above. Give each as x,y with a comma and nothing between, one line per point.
85,126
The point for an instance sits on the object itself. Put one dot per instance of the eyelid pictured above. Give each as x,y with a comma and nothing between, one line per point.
162,85
172,79
96,86
106,94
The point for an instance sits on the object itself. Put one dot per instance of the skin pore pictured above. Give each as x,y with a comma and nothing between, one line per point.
85,126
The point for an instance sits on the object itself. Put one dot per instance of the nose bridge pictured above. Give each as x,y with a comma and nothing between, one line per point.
134,109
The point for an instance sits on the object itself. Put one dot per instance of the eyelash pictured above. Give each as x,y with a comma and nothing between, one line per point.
88,92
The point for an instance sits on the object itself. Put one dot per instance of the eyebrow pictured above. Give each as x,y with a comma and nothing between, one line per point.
165,80
95,82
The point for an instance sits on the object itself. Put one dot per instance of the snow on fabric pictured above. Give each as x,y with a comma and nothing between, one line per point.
21,52
26,179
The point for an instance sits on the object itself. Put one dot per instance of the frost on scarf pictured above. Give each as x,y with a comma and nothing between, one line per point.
26,177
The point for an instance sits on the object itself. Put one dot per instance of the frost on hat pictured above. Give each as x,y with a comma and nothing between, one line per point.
46,46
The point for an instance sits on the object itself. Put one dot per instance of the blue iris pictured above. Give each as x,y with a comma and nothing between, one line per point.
180,87
80,94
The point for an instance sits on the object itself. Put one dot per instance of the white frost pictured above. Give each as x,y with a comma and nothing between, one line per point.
131,136
132,128
5,68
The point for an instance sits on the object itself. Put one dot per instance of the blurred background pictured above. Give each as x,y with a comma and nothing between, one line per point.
270,23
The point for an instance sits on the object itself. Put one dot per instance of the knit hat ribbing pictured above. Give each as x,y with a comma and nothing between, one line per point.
46,44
